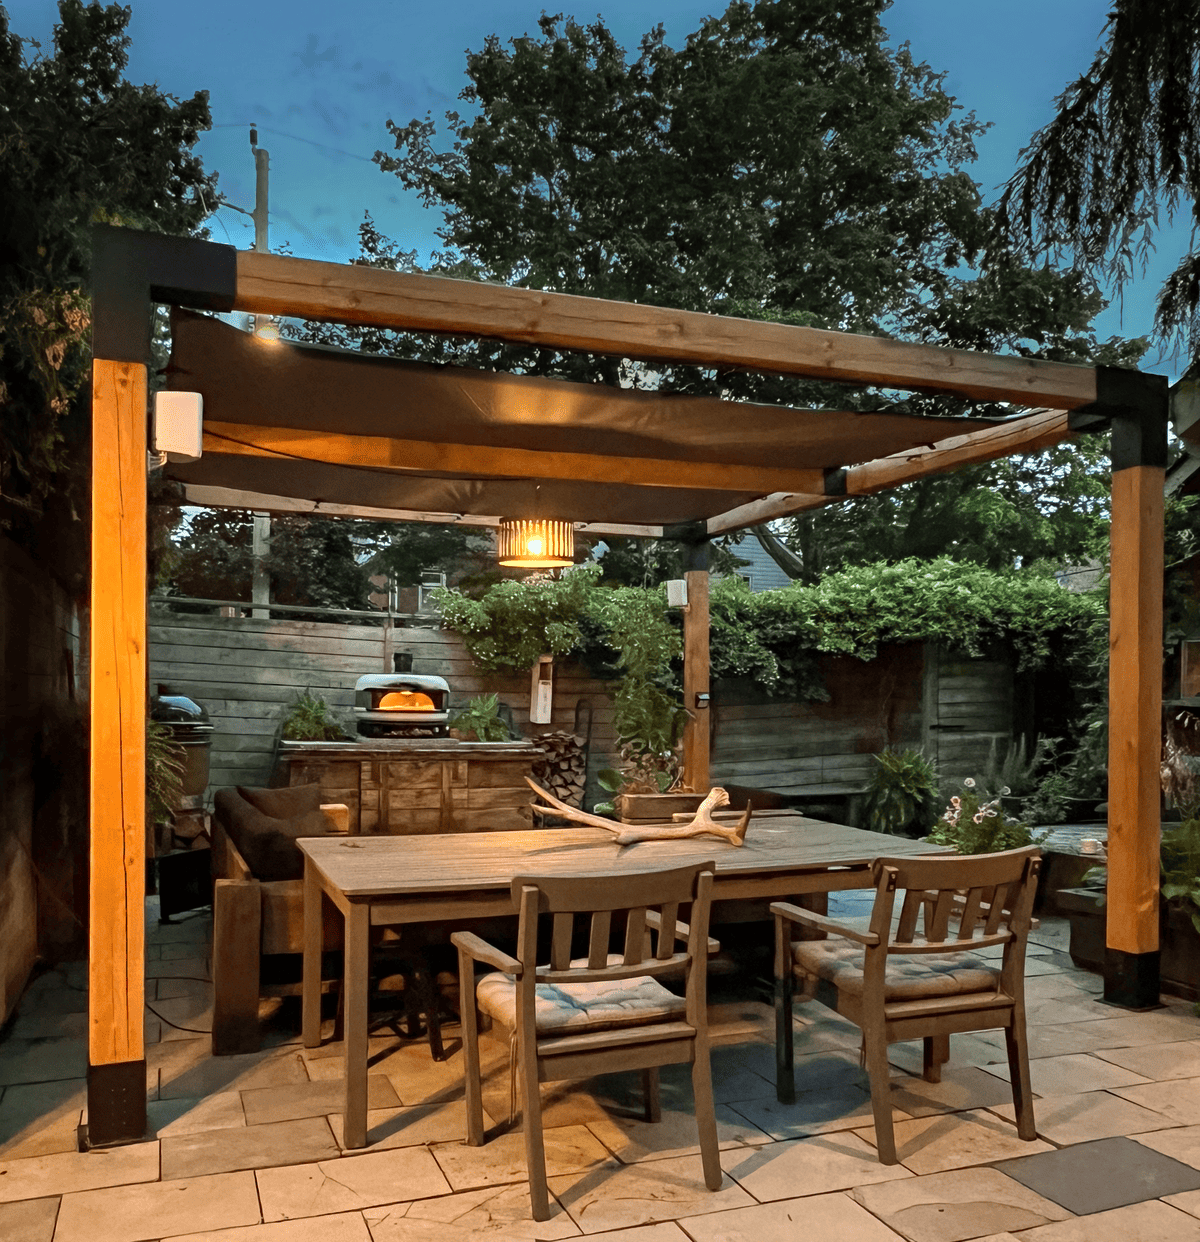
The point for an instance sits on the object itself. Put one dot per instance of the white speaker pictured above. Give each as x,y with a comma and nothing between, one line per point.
179,425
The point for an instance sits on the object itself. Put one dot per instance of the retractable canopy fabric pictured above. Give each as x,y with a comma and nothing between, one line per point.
306,421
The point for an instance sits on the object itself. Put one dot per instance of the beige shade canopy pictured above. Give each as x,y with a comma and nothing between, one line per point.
327,425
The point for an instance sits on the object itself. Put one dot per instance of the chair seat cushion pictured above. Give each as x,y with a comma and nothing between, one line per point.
576,1007
909,977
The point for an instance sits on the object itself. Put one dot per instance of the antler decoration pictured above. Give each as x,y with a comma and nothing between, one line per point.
626,834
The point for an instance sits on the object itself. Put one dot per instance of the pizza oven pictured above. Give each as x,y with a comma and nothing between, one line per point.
401,705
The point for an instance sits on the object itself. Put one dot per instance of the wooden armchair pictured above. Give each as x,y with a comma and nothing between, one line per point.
605,1012
919,976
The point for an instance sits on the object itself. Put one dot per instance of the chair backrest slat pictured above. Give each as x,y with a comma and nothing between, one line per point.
631,895
1001,908
910,913
598,940
560,940
972,910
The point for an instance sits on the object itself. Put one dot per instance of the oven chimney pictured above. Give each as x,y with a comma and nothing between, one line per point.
402,661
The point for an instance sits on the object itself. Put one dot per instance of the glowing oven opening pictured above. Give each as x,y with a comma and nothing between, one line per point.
405,701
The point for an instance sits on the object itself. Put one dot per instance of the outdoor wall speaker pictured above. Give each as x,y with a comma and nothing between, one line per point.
179,425
677,593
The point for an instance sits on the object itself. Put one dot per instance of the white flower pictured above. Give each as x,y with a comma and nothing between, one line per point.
969,782
978,818
990,812
956,801
1004,790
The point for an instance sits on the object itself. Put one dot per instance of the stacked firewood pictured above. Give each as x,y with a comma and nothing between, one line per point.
564,769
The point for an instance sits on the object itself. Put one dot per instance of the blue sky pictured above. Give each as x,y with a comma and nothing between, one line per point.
322,79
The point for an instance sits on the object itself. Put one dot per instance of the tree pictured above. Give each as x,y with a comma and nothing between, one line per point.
78,145
1122,149
784,164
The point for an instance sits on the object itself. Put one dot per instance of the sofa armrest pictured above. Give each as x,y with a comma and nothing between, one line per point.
339,812
228,863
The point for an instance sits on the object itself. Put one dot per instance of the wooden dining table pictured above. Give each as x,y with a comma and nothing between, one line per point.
392,880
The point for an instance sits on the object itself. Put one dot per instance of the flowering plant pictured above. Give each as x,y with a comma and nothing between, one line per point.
975,826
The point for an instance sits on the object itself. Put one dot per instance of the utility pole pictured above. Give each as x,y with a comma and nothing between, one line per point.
260,590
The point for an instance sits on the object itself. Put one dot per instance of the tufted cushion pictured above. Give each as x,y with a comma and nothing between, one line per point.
574,1007
912,977
284,803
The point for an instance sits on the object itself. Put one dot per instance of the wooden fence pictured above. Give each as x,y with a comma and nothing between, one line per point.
247,671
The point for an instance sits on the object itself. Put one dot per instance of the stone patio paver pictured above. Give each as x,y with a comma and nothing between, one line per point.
158,1209
31,1220
496,1212
1068,1119
631,1139
42,1060
1177,1099
349,1183
290,1101
569,1149
955,1141
1152,1221
961,1088
168,1118
952,1207
809,1166
1171,1024
186,1069
347,1227
37,1177
1158,1061
618,1196
39,1119
842,1106
409,1127
303,1141
819,1217
1072,1074
1179,1142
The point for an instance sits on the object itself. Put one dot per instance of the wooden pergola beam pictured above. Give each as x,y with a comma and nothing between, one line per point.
1029,434
269,284
421,456
262,502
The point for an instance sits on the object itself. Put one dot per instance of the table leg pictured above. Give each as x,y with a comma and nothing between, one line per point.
356,984
310,987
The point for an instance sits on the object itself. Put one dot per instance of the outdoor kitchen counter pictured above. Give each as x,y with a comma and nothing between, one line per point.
406,786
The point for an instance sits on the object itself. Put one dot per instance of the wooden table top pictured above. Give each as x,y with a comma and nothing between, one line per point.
370,866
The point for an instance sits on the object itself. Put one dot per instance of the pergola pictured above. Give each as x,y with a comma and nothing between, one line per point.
303,429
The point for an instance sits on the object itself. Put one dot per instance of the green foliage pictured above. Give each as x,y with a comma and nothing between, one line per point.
309,720
1119,155
164,772
481,716
902,796
1180,859
512,624
772,636
975,826
78,145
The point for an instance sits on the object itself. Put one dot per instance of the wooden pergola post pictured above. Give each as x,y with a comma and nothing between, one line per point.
116,973
130,271
1139,457
696,693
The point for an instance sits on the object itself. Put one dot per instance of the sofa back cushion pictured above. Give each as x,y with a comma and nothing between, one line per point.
285,803
268,842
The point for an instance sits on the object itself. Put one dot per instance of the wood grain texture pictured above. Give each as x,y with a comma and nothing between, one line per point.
1024,435
118,713
696,682
279,285
1135,709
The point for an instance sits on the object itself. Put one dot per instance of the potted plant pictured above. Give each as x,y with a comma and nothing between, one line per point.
902,797
974,824
309,720
480,721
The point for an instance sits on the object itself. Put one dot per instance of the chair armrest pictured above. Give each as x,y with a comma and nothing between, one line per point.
819,922
682,930
481,951
339,812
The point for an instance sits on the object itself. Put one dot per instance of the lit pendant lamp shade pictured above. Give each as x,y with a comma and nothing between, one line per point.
536,544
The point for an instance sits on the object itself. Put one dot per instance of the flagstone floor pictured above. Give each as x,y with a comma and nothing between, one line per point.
248,1148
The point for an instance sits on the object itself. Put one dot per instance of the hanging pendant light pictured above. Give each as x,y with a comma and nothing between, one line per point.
536,543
